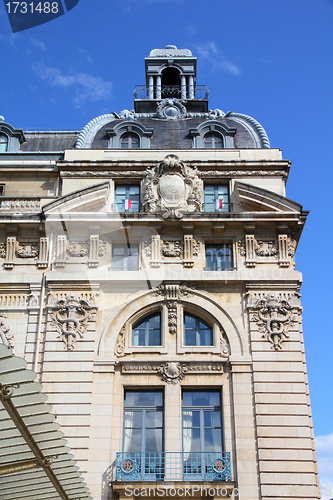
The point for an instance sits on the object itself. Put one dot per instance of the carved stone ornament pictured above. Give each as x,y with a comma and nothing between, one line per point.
101,248
225,350
171,109
172,249
291,246
172,372
2,251
77,249
172,188
71,317
6,335
241,247
266,248
274,318
120,343
26,250
172,293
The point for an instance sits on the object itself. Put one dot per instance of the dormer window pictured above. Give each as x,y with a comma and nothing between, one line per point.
129,135
3,143
129,141
212,140
213,134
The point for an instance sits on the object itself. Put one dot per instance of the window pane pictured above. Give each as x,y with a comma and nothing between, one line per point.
132,419
143,398
3,143
196,331
213,440
148,331
127,197
219,257
154,440
200,398
154,419
191,418
216,198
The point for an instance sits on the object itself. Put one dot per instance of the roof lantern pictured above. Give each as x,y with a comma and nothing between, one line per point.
170,74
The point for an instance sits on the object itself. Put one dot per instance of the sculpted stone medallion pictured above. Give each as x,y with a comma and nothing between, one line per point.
172,189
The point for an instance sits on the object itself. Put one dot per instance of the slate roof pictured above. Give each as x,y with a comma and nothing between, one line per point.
49,141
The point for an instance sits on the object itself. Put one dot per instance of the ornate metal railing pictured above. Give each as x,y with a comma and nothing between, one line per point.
199,92
16,204
173,466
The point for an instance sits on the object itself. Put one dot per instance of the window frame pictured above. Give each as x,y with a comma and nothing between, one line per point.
214,135
198,320
141,315
127,186
221,244
130,135
2,134
128,248
216,186
189,308
147,331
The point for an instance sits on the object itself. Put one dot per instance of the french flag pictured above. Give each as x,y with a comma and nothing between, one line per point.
218,203
127,204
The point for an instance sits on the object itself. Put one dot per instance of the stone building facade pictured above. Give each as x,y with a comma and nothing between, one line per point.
147,276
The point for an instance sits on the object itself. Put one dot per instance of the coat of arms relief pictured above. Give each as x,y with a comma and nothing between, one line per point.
172,188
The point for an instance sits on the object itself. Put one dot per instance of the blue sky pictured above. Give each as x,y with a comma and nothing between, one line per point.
266,58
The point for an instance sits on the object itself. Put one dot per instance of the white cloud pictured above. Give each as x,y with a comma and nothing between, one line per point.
86,87
38,43
210,53
324,448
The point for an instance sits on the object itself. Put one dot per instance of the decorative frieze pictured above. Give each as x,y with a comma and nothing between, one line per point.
26,250
70,317
274,314
172,372
254,250
77,249
172,249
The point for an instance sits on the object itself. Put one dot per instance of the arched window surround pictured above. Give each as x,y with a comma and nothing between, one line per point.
117,132
140,316
213,126
204,316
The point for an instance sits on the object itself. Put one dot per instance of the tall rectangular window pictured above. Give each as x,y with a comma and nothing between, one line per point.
219,257
125,258
216,198
127,197
202,431
143,432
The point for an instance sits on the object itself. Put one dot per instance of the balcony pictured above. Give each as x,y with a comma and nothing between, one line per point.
173,466
172,91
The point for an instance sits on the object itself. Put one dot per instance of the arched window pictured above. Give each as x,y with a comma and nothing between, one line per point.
3,143
196,331
212,140
147,332
170,83
129,141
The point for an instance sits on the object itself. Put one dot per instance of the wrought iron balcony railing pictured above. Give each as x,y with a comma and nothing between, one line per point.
173,466
176,91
